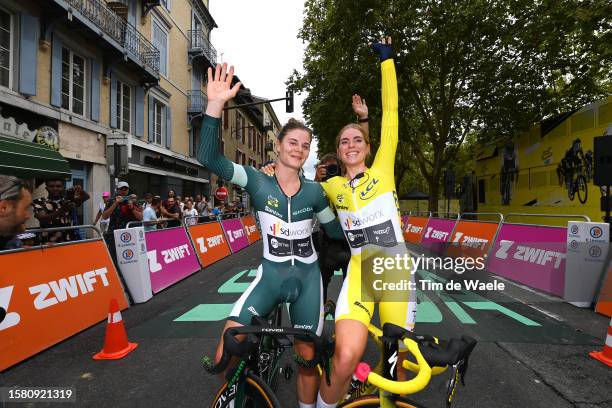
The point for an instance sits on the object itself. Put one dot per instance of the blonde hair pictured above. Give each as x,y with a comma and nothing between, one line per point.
352,126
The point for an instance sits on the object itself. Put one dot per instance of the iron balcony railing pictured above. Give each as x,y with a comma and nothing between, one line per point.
135,44
196,101
199,43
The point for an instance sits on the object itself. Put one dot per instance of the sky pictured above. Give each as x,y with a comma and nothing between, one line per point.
260,39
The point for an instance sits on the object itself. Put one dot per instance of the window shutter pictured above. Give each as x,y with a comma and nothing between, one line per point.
191,146
139,130
132,12
151,119
95,90
168,127
113,101
56,71
28,51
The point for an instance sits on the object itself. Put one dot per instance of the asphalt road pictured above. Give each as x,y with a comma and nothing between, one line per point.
532,350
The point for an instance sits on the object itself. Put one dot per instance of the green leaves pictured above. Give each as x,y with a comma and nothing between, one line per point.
485,68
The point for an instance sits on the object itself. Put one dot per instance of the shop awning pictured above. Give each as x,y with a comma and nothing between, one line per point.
28,160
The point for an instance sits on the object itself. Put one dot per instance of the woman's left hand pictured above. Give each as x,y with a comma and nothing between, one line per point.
268,169
360,107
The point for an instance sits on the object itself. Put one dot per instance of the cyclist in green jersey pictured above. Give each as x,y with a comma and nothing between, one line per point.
285,205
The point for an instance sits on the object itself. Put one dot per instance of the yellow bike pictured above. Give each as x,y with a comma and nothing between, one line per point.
379,387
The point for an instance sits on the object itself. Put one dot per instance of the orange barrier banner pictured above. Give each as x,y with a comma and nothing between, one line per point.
604,302
472,238
250,226
53,293
209,242
414,228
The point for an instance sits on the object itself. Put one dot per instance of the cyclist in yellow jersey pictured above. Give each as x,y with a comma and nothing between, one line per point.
366,203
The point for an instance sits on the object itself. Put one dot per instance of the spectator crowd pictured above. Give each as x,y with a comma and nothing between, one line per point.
60,208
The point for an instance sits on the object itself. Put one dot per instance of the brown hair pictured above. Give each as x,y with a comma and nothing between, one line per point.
352,126
293,124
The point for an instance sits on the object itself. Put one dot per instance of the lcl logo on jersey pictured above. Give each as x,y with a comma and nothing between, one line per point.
370,190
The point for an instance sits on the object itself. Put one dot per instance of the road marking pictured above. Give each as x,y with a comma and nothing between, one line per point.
207,312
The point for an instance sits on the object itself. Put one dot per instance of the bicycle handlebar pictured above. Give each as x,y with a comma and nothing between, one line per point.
233,347
433,357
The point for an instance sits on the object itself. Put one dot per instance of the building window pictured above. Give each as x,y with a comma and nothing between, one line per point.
166,4
481,191
6,49
250,129
160,41
73,82
159,121
124,106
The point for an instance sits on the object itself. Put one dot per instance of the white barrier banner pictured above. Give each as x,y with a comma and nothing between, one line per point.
131,249
587,250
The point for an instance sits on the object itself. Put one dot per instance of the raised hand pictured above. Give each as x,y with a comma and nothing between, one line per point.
219,89
359,107
383,49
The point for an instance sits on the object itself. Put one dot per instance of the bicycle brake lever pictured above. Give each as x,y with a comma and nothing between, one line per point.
452,386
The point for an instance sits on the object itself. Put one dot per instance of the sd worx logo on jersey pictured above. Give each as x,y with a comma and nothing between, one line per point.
278,229
356,222
370,190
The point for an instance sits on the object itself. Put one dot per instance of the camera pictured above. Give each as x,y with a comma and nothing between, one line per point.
332,171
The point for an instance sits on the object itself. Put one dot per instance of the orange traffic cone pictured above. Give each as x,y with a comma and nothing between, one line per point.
605,356
116,344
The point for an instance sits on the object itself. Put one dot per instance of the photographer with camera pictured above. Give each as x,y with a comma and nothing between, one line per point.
56,210
121,209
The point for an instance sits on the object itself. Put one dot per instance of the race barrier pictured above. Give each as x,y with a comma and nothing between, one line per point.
414,227
604,301
473,239
437,233
250,226
53,292
209,242
171,257
532,255
235,233
587,251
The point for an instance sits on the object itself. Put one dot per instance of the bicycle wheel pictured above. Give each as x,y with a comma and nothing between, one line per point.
257,395
374,401
582,188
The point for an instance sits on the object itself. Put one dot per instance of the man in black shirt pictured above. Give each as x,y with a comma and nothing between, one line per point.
15,209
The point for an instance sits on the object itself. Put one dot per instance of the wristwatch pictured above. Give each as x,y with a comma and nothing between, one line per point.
364,120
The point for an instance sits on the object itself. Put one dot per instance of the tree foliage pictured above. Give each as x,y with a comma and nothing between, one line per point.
488,68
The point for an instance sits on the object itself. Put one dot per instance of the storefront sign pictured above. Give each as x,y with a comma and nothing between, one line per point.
532,255
53,293
172,165
236,236
45,135
171,257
